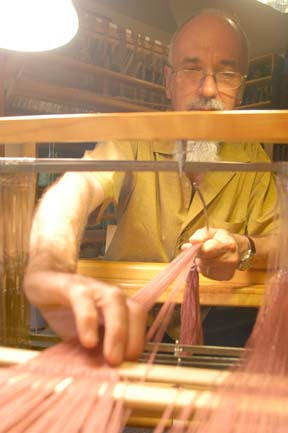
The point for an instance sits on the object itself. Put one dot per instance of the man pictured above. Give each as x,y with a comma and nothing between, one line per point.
158,212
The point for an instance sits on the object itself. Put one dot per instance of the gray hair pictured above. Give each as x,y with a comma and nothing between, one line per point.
216,12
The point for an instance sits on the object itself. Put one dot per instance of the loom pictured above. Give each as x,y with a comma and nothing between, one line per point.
245,289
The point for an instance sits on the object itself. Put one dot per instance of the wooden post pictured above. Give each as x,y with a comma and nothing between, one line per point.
19,150
17,198
2,92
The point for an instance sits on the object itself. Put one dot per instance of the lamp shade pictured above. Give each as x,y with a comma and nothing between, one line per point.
37,25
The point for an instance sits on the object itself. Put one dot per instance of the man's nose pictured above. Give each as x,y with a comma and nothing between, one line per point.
208,87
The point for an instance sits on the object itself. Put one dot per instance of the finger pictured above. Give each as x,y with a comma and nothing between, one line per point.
213,248
202,235
136,331
115,316
186,246
86,317
223,236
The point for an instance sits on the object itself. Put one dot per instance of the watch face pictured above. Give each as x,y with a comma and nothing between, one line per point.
245,264
246,261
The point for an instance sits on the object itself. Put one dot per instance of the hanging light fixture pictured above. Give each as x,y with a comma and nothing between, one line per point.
37,25
280,5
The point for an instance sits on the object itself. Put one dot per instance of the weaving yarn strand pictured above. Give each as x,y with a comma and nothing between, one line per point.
68,388
254,397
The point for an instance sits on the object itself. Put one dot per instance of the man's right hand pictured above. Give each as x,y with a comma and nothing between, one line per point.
91,304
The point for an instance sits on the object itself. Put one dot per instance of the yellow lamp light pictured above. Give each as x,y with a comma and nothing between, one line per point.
280,5
37,25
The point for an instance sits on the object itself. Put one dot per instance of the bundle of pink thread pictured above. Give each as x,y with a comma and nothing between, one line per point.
70,389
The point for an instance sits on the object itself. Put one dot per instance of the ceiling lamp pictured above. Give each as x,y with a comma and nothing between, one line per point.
37,25
280,5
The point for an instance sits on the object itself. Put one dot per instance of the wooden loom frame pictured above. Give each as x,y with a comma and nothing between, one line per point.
246,288
163,385
263,126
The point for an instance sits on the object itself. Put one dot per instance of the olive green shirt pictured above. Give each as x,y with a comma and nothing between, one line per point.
157,211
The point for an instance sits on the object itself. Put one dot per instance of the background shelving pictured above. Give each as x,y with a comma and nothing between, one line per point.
263,85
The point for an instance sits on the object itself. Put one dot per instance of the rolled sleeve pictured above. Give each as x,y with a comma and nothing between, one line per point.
111,182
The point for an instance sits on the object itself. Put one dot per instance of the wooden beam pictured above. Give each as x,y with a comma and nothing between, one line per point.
158,391
2,93
268,126
200,378
244,290
18,150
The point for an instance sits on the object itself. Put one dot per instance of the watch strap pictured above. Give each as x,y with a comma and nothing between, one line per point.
246,258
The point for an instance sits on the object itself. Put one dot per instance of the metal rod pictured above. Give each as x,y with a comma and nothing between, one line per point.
57,165
197,349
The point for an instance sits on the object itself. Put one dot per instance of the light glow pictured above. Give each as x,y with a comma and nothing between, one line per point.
280,5
37,25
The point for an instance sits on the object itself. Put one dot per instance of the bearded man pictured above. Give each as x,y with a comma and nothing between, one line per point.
158,212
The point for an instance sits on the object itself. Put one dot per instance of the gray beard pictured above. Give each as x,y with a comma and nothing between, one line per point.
202,151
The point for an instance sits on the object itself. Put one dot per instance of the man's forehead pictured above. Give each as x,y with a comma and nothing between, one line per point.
197,38
209,24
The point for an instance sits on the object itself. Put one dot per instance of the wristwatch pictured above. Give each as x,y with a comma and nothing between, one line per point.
247,257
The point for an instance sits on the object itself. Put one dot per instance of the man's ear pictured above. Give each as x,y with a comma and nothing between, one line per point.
168,81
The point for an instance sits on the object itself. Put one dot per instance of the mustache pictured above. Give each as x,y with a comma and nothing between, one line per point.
211,104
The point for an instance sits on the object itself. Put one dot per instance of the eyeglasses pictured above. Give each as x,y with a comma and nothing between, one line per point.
223,79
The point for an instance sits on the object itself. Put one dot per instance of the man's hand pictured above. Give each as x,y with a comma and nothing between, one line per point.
219,255
77,305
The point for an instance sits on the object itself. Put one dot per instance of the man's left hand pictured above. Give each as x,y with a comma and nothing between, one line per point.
219,254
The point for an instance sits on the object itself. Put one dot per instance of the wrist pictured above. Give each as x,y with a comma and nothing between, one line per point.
246,252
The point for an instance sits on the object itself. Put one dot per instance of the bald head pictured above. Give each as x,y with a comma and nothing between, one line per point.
212,26
210,42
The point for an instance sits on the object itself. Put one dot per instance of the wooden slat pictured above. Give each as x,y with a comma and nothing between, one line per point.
20,150
263,126
151,398
245,289
11,356
199,378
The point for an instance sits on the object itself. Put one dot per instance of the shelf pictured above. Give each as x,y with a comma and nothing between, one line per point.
20,60
67,95
90,25
259,80
262,57
255,105
159,105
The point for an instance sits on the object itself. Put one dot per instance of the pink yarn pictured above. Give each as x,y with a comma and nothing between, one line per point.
191,326
28,400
